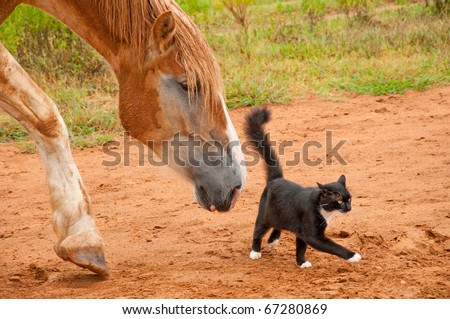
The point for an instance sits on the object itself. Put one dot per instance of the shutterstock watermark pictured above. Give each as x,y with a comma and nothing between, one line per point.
192,151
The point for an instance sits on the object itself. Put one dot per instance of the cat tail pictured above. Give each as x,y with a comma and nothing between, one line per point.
260,140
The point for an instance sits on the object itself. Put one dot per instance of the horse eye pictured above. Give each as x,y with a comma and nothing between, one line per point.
184,85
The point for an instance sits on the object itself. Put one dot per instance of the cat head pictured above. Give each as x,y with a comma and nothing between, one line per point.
335,196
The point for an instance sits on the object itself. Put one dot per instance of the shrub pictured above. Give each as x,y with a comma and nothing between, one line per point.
442,7
239,9
314,9
361,8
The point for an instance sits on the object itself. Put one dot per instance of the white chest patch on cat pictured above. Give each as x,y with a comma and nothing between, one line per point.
328,215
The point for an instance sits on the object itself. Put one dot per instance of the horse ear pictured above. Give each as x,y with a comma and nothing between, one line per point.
163,31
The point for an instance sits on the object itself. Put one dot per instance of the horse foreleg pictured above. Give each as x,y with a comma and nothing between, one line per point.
78,238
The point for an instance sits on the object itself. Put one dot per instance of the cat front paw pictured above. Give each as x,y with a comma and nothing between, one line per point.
356,257
255,255
306,264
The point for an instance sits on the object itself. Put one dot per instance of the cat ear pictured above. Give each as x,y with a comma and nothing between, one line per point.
341,180
324,191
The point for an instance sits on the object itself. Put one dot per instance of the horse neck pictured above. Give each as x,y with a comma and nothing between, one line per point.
88,21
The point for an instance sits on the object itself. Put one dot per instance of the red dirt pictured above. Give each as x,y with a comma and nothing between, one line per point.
160,244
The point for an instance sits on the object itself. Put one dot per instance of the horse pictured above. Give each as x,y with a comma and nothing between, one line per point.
170,90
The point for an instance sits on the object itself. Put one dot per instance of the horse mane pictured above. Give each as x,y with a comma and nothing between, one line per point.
130,21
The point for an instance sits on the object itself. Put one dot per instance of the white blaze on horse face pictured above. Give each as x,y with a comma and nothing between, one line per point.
237,155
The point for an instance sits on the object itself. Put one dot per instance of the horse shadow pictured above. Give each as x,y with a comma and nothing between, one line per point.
77,280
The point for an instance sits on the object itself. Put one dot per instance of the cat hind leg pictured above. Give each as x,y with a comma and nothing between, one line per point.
274,238
260,228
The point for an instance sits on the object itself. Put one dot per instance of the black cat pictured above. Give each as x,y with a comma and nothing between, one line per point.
288,206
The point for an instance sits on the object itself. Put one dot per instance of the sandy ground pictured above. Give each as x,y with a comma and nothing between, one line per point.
160,244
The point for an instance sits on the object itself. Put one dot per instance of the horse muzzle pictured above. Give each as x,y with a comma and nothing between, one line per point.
213,201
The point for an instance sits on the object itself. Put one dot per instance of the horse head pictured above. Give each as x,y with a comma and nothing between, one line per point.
174,104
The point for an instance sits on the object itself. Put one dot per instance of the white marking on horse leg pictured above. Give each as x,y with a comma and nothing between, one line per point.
235,144
356,257
78,239
255,255
306,264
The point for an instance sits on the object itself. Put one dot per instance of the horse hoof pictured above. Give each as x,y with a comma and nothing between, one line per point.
92,259
85,251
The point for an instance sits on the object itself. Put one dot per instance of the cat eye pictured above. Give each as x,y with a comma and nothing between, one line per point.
340,201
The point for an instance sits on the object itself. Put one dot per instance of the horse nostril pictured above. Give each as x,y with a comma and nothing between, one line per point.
234,195
234,192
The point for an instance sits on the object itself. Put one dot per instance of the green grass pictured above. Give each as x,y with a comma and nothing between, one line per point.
396,50
68,70
280,55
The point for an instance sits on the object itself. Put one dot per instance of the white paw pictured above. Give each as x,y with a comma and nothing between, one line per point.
306,264
357,257
255,255
275,243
